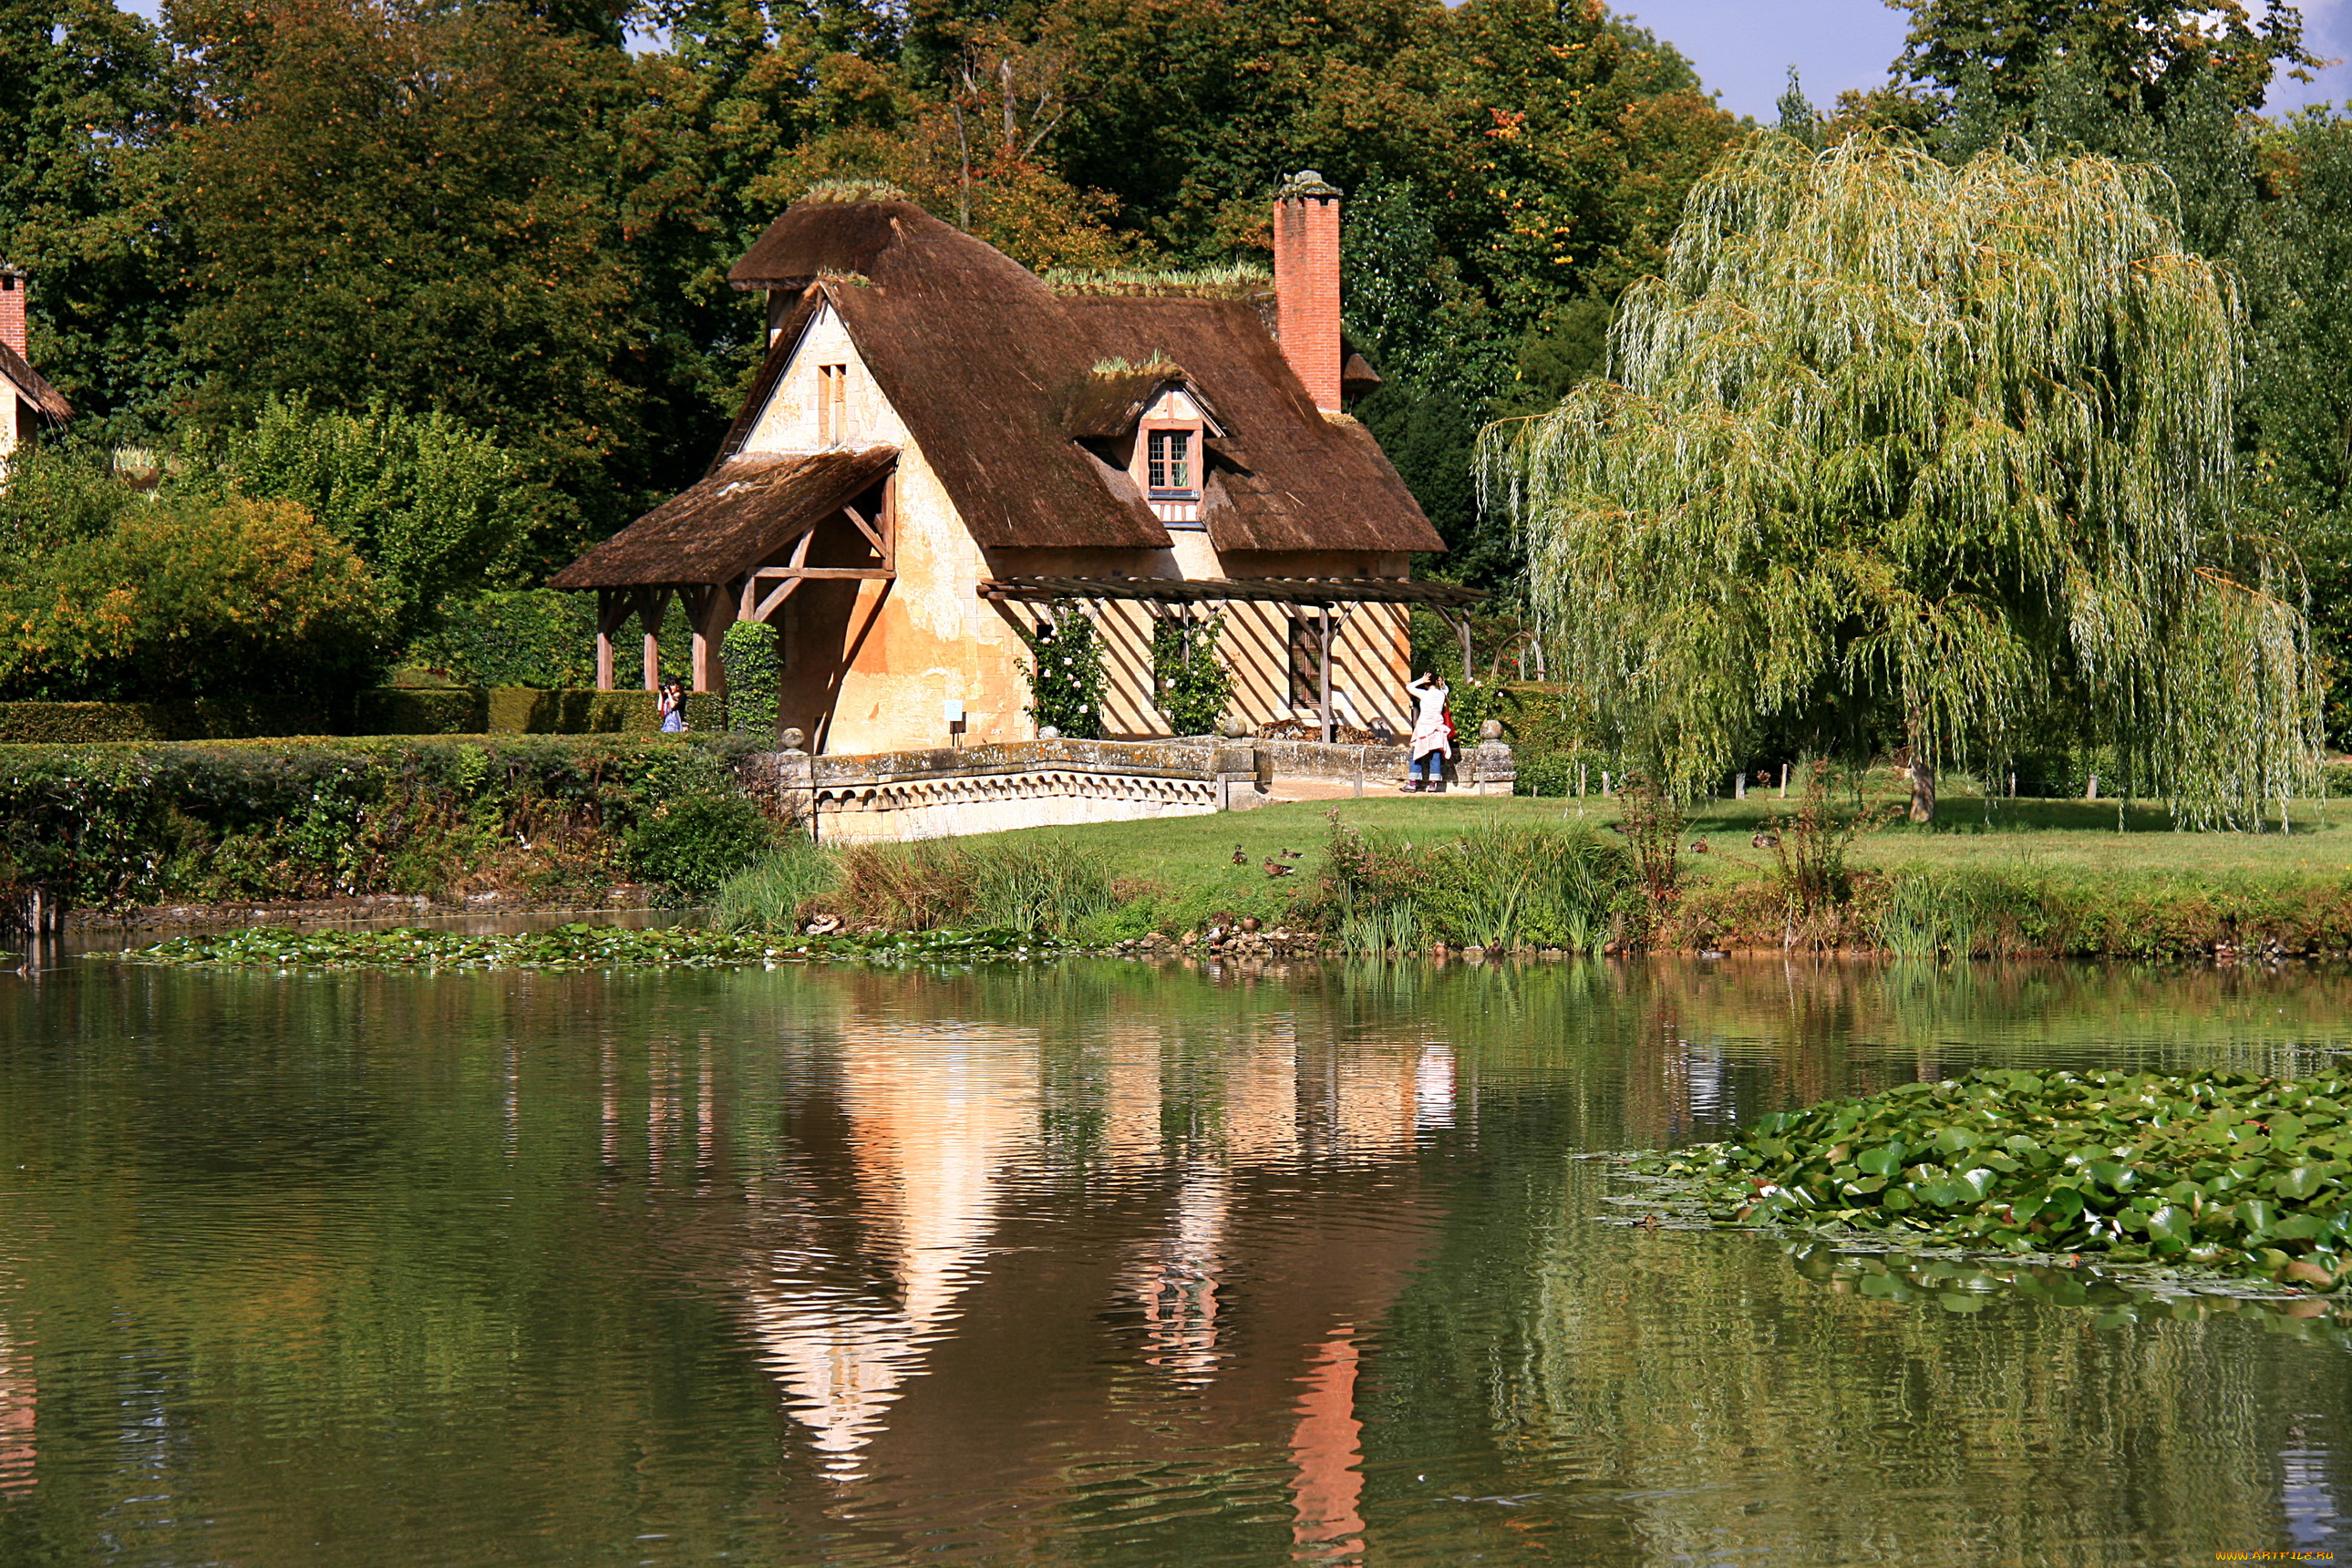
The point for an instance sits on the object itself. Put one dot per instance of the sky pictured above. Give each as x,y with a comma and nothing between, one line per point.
1743,48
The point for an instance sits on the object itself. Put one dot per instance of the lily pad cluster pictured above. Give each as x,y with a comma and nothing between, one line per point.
575,946
2225,1172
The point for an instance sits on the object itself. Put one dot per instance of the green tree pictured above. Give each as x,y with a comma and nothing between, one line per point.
1899,451
2296,253
1995,59
429,505
87,94
192,596
418,203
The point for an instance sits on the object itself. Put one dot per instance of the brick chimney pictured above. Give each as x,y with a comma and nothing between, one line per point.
1307,283
11,308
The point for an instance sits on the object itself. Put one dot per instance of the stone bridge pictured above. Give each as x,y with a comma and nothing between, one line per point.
890,797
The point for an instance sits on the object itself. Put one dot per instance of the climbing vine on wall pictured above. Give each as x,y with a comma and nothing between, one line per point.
1191,682
1067,679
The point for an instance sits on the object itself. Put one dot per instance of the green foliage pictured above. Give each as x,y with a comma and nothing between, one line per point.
696,841
1066,678
2220,1171
572,946
199,719
1498,889
1018,882
1809,846
1993,60
775,892
59,495
429,505
186,597
577,945
530,636
754,679
1191,681
402,710
1905,450
2297,256
1960,913
417,204
544,817
90,89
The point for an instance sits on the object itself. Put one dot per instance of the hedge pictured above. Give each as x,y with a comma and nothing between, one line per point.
195,719
549,817
384,711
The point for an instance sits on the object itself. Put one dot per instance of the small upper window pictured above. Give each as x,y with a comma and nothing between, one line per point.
1169,471
831,404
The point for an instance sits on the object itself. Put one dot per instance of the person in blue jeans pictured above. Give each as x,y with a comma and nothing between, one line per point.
1432,733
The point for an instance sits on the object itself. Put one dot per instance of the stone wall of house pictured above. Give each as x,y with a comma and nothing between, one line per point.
894,796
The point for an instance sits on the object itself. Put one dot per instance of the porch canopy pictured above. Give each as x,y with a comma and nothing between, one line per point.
735,546
1337,597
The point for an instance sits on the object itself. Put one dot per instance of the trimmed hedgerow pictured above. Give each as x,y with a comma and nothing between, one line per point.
543,816
201,718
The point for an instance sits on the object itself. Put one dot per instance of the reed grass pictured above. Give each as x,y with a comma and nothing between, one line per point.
1010,883
1497,887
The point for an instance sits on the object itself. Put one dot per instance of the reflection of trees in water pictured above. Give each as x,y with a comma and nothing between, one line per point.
1741,1404
965,1227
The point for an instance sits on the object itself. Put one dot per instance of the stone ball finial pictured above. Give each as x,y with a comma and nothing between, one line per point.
1492,729
1049,732
1235,730
793,740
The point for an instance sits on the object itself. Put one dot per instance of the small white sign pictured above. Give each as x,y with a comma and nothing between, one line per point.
954,709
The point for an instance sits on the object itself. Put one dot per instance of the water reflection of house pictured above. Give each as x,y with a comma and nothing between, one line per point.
19,1404
1189,1286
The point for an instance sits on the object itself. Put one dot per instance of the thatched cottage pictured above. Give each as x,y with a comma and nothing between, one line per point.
942,448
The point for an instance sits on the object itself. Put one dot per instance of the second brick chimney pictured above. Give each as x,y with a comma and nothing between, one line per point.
12,309
1307,283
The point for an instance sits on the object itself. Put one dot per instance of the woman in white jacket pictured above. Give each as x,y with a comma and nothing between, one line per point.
1433,737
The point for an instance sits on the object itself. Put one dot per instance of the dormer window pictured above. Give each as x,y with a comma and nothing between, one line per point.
1169,465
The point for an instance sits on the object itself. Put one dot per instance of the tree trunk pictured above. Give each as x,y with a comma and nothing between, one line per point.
1923,794
1922,774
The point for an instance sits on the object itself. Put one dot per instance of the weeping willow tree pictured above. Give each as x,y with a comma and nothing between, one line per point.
1902,455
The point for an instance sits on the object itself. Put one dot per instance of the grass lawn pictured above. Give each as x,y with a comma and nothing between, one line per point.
2046,836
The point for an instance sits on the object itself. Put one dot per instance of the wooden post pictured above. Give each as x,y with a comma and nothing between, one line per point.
708,608
1323,672
612,610
1461,627
651,603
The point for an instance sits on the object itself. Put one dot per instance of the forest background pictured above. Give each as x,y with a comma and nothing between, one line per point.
415,301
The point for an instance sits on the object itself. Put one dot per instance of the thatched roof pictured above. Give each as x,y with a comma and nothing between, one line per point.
741,514
33,388
1282,477
1114,394
987,365
974,353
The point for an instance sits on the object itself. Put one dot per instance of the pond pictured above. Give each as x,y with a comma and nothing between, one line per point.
1078,1263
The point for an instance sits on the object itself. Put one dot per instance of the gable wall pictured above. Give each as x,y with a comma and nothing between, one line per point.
870,666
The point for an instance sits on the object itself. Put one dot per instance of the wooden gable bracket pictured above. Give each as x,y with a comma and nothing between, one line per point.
881,532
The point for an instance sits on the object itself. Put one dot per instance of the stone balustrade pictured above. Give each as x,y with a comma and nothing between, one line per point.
890,797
